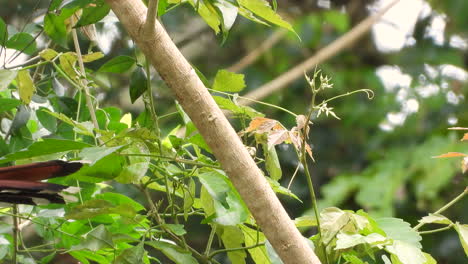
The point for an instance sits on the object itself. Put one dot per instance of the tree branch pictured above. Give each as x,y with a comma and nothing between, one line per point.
226,145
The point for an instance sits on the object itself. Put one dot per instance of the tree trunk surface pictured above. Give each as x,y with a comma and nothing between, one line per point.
223,140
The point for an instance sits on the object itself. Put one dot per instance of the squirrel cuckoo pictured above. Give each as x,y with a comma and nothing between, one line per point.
21,184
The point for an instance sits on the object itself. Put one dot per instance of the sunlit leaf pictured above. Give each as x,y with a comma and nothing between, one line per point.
6,77
254,237
94,154
462,231
406,253
226,81
435,219
55,28
48,54
398,229
26,86
93,56
233,237
262,9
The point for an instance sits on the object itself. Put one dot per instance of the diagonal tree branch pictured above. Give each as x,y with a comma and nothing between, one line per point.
329,51
218,133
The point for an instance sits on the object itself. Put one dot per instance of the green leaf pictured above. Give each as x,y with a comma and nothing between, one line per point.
97,207
96,239
137,166
55,28
208,13
8,103
138,84
106,168
277,188
162,5
272,164
131,255
398,229
45,147
305,221
48,54
262,9
6,77
226,81
118,64
345,240
84,128
93,14
120,199
462,231
83,256
22,42
435,219
233,237
229,207
176,229
407,253
46,120
227,104
258,254
94,154
93,56
173,252
26,87
332,221
3,32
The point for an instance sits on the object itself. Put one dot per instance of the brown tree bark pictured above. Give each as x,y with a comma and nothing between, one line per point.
217,132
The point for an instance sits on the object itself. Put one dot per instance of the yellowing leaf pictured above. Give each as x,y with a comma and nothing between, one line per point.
25,86
92,56
68,62
451,155
127,119
48,54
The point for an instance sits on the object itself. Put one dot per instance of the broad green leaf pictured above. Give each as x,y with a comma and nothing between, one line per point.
258,254
93,56
305,221
208,13
137,166
48,54
94,154
83,256
46,120
26,86
84,128
277,188
345,240
22,42
407,253
93,14
227,104
68,64
120,199
272,163
176,229
3,32
233,237
229,207
6,77
463,234
226,81
106,168
173,252
162,5
353,259
118,64
228,13
397,229
55,28
8,104
138,84
97,207
332,220
435,219
45,147
429,259
131,255
96,239
262,9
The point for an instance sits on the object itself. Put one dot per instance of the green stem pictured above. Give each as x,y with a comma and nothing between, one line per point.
216,252
436,230
175,159
210,240
445,207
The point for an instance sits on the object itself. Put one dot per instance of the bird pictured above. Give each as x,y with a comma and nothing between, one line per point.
21,184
